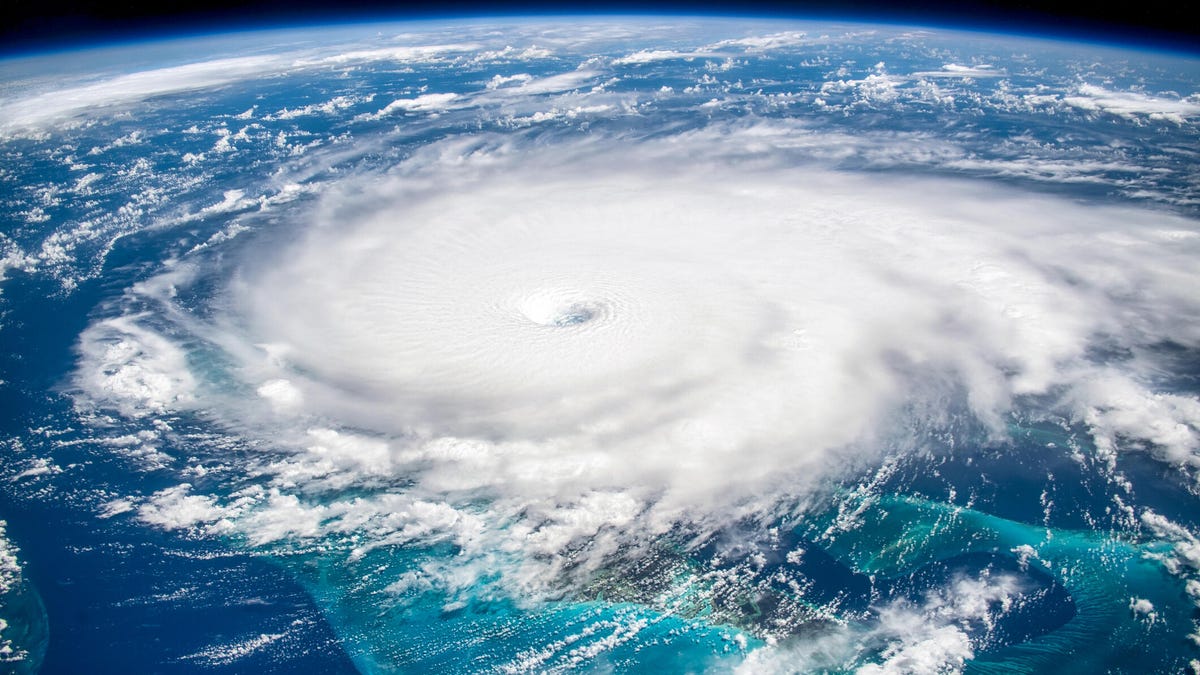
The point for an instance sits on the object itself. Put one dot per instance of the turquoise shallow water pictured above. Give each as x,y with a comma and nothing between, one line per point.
1073,613
27,631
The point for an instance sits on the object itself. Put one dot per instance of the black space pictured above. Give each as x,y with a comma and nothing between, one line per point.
35,25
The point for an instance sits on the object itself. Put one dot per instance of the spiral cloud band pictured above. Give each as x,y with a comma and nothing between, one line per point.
689,334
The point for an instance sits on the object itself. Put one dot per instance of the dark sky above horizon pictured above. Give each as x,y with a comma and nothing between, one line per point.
39,24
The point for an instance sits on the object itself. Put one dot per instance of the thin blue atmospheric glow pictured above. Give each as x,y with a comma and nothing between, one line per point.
155,30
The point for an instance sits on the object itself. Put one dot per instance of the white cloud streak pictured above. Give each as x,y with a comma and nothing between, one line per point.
653,55
1134,104
62,104
29,112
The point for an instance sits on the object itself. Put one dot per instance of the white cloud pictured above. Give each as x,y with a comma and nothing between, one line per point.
935,636
770,41
1143,609
552,83
956,70
510,53
1116,407
498,81
132,369
281,393
331,107
176,508
877,87
422,103
941,651
1185,554
232,200
1134,104
224,654
402,53
10,579
10,568
652,55
561,114
59,104
333,459
27,112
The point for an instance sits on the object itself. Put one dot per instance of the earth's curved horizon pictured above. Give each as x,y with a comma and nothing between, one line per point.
638,344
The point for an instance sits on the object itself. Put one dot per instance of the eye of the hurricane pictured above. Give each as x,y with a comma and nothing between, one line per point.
559,310
572,315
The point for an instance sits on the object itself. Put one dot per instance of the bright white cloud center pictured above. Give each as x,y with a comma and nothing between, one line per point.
693,335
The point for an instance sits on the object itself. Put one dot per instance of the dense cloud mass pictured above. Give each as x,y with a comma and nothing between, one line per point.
638,325
592,334
548,323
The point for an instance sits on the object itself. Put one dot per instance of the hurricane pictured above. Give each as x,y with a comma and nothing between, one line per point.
624,346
